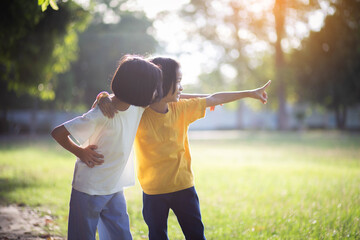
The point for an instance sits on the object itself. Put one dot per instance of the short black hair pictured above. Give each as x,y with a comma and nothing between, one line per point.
136,81
169,68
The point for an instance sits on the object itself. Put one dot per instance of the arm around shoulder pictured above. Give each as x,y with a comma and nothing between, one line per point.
103,100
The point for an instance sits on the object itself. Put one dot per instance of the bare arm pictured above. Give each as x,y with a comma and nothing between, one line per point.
226,97
103,100
195,95
87,155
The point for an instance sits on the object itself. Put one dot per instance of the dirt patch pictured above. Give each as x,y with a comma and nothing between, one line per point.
25,223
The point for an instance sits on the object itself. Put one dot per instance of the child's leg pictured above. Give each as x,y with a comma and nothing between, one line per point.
185,204
114,220
155,213
83,216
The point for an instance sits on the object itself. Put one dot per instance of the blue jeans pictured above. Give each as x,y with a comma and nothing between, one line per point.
107,213
185,205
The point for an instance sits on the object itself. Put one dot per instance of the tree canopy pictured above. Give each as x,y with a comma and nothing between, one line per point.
100,48
328,64
245,33
35,46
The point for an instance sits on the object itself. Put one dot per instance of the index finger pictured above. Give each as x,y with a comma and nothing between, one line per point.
267,84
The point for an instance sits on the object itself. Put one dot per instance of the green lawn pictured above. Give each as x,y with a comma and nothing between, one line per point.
260,185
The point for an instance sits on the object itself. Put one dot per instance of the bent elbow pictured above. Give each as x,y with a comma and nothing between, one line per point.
53,133
57,132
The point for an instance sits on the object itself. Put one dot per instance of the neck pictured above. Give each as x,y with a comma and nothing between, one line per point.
119,105
160,107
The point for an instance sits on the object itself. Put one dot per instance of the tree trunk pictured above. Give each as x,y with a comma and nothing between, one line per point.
340,116
4,128
33,117
279,14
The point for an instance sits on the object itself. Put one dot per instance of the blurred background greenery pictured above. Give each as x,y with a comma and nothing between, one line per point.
55,56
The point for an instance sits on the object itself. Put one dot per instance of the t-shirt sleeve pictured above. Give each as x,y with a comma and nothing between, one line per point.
82,127
194,109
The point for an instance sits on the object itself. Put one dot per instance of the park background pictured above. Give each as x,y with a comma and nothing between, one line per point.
285,170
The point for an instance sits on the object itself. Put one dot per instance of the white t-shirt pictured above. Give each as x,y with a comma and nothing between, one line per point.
114,138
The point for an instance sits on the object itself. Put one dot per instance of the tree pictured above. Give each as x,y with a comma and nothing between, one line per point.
100,48
235,28
328,64
36,46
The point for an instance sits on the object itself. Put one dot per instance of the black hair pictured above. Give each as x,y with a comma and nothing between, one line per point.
136,81
169,69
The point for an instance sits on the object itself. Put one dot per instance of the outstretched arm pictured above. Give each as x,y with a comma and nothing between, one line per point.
226,97
87,155
190,95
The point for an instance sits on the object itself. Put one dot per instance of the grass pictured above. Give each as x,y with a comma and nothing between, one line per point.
255,186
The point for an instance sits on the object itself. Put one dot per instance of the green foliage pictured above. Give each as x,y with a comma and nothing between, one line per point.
295,187
235,29
222,31
328,64
45,3
36,46
37,49
213,82
100,48
238,28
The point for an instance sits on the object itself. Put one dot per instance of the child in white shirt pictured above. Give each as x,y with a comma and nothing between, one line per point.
97,199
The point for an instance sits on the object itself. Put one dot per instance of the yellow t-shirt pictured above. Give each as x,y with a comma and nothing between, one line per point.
162,147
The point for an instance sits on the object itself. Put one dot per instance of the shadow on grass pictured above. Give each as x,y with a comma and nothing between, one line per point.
7,186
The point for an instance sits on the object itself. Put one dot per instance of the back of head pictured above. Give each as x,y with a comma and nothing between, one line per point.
136,81
169,69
